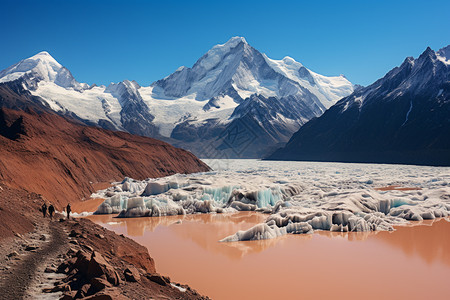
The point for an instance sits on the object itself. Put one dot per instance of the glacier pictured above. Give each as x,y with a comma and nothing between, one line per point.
298,197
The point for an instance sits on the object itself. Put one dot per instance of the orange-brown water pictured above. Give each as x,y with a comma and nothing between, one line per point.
410,263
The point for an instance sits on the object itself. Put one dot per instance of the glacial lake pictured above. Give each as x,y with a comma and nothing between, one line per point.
412,262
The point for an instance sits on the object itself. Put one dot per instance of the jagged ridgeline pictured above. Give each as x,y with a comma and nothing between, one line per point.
233,102
403,118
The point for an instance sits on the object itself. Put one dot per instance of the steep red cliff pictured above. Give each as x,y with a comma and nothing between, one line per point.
59,158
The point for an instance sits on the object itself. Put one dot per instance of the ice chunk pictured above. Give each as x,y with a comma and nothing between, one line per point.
155,188
299,228
257,232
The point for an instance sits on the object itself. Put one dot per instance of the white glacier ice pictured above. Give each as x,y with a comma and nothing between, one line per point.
298,197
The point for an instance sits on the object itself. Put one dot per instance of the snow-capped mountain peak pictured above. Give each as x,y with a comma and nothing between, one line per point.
444,55
219,52
42,64
230,83
40,67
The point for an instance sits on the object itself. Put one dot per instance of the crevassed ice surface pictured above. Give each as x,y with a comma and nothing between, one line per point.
298,197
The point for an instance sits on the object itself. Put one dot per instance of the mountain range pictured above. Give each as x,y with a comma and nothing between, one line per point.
233,102
403,117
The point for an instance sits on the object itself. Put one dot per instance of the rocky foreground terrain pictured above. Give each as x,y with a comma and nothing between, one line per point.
72,259
48,158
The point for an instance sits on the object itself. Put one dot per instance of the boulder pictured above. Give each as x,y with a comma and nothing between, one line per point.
159,279
98,284
82,262
132,274
110,294
84,291
98,267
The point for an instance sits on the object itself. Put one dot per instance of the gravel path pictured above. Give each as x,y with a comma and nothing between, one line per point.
23,269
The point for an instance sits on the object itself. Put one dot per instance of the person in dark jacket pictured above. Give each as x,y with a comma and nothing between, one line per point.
44,209
51,210
68,210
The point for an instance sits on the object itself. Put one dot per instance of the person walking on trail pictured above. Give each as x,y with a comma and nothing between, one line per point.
44,209
51,210
68,210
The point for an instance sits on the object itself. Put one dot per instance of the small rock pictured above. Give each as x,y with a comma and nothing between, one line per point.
43,238
50,270
31,247
89,248
12,254
74,233
47,290
71,252
100,236
61,288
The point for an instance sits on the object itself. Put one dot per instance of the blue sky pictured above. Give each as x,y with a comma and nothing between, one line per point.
109,41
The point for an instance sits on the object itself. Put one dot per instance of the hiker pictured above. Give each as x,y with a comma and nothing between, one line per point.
51,210
44,209
68,210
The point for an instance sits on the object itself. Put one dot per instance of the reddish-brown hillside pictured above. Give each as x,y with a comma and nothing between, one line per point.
50,155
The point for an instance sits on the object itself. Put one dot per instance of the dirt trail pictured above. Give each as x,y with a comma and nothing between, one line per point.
37,257
28,265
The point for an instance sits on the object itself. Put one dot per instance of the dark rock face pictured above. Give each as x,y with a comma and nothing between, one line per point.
402,118
135,115
255,129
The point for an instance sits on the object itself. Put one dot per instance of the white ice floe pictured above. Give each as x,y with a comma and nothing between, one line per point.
299,197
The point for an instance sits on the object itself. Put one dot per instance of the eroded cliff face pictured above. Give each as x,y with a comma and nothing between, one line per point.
60,159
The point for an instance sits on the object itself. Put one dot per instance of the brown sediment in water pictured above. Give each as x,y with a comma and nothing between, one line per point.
412,262
397,188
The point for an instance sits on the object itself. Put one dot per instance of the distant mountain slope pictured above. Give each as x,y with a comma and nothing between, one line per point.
47,154
232,87
402,118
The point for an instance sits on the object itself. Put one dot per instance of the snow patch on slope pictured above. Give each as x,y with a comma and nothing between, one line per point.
92,104
328,89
